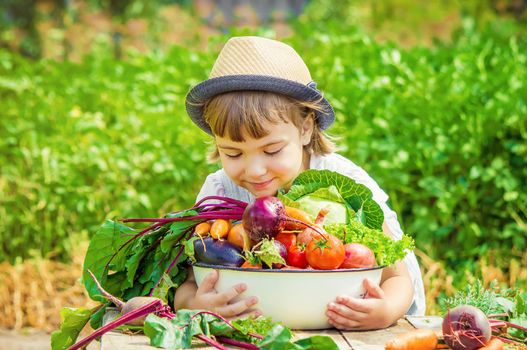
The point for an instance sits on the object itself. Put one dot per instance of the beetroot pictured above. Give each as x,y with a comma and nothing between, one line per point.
264,218
466,327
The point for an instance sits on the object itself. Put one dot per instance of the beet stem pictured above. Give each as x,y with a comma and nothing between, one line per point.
241,204
312,227
149,308
240,344
508,341
119,303
223,214
211,342
514,325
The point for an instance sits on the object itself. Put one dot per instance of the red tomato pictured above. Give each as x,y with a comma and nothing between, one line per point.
357,255
325,253
288,239
296,256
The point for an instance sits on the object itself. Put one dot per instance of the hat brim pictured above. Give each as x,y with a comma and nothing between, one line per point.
207,89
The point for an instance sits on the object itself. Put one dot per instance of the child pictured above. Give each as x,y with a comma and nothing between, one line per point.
267,119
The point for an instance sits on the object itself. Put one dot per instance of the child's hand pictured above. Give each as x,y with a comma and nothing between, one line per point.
209,299
347,313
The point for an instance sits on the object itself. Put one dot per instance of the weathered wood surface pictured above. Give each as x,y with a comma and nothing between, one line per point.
359,340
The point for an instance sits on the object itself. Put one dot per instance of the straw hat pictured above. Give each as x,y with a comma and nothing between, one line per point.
257,64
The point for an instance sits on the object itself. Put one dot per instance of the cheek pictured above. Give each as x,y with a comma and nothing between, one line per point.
288,165
231,167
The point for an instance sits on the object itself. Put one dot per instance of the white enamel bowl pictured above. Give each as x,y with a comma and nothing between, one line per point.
296,298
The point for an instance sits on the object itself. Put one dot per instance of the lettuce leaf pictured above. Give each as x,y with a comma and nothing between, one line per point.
348,201
386,250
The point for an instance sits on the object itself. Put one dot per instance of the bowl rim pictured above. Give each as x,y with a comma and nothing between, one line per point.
248,269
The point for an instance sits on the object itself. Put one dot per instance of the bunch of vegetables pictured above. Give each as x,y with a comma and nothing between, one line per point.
329,222
486,315
498,322
124,263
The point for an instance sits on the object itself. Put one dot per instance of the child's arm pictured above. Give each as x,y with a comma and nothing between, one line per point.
189,296
383,304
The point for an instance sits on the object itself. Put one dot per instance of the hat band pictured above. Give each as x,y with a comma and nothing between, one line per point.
215,86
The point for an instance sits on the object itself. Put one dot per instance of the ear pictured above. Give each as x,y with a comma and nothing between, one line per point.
307,129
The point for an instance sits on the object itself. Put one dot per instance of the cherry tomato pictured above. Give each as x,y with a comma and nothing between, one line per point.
325,252
296,256
288,239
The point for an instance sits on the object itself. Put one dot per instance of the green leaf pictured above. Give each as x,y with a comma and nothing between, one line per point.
164,333
161,291
72,322
267,252
387,251
97,317
103,247
327,197
260,325
318,342
279,338
356,196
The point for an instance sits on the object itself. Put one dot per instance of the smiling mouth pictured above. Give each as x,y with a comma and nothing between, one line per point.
261,185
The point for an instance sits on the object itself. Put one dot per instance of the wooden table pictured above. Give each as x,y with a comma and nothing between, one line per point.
368,340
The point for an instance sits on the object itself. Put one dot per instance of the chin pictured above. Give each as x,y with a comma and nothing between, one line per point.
269,192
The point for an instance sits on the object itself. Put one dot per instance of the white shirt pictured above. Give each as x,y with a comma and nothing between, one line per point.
219,184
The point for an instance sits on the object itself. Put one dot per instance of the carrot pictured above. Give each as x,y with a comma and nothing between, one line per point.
239,237
250,265
297,214
419,339
493,344
202,229
220,228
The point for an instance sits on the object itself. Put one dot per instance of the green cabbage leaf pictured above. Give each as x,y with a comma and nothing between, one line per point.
346,199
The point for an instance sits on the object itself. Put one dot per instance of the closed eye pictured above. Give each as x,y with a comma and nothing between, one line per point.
273,152
233,155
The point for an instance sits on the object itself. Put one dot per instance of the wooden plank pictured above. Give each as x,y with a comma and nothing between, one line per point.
375,340
339,339
116,340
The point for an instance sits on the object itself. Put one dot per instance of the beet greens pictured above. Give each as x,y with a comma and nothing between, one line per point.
126,266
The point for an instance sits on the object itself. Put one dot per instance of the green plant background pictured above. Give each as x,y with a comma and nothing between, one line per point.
442,129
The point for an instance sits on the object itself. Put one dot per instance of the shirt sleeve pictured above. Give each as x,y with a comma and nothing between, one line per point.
211,187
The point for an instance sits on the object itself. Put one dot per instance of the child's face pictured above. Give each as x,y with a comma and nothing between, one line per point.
262,166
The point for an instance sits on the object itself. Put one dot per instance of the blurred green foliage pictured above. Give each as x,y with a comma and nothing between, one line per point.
442,129
105,138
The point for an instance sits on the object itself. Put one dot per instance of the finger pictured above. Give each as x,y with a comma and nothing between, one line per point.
226,296
238,307
373,290
208,283
358,305
340,322
345,311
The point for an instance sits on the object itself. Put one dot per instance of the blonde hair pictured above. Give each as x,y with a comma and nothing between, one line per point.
236,113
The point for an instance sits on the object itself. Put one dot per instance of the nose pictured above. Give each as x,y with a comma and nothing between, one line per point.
255,168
